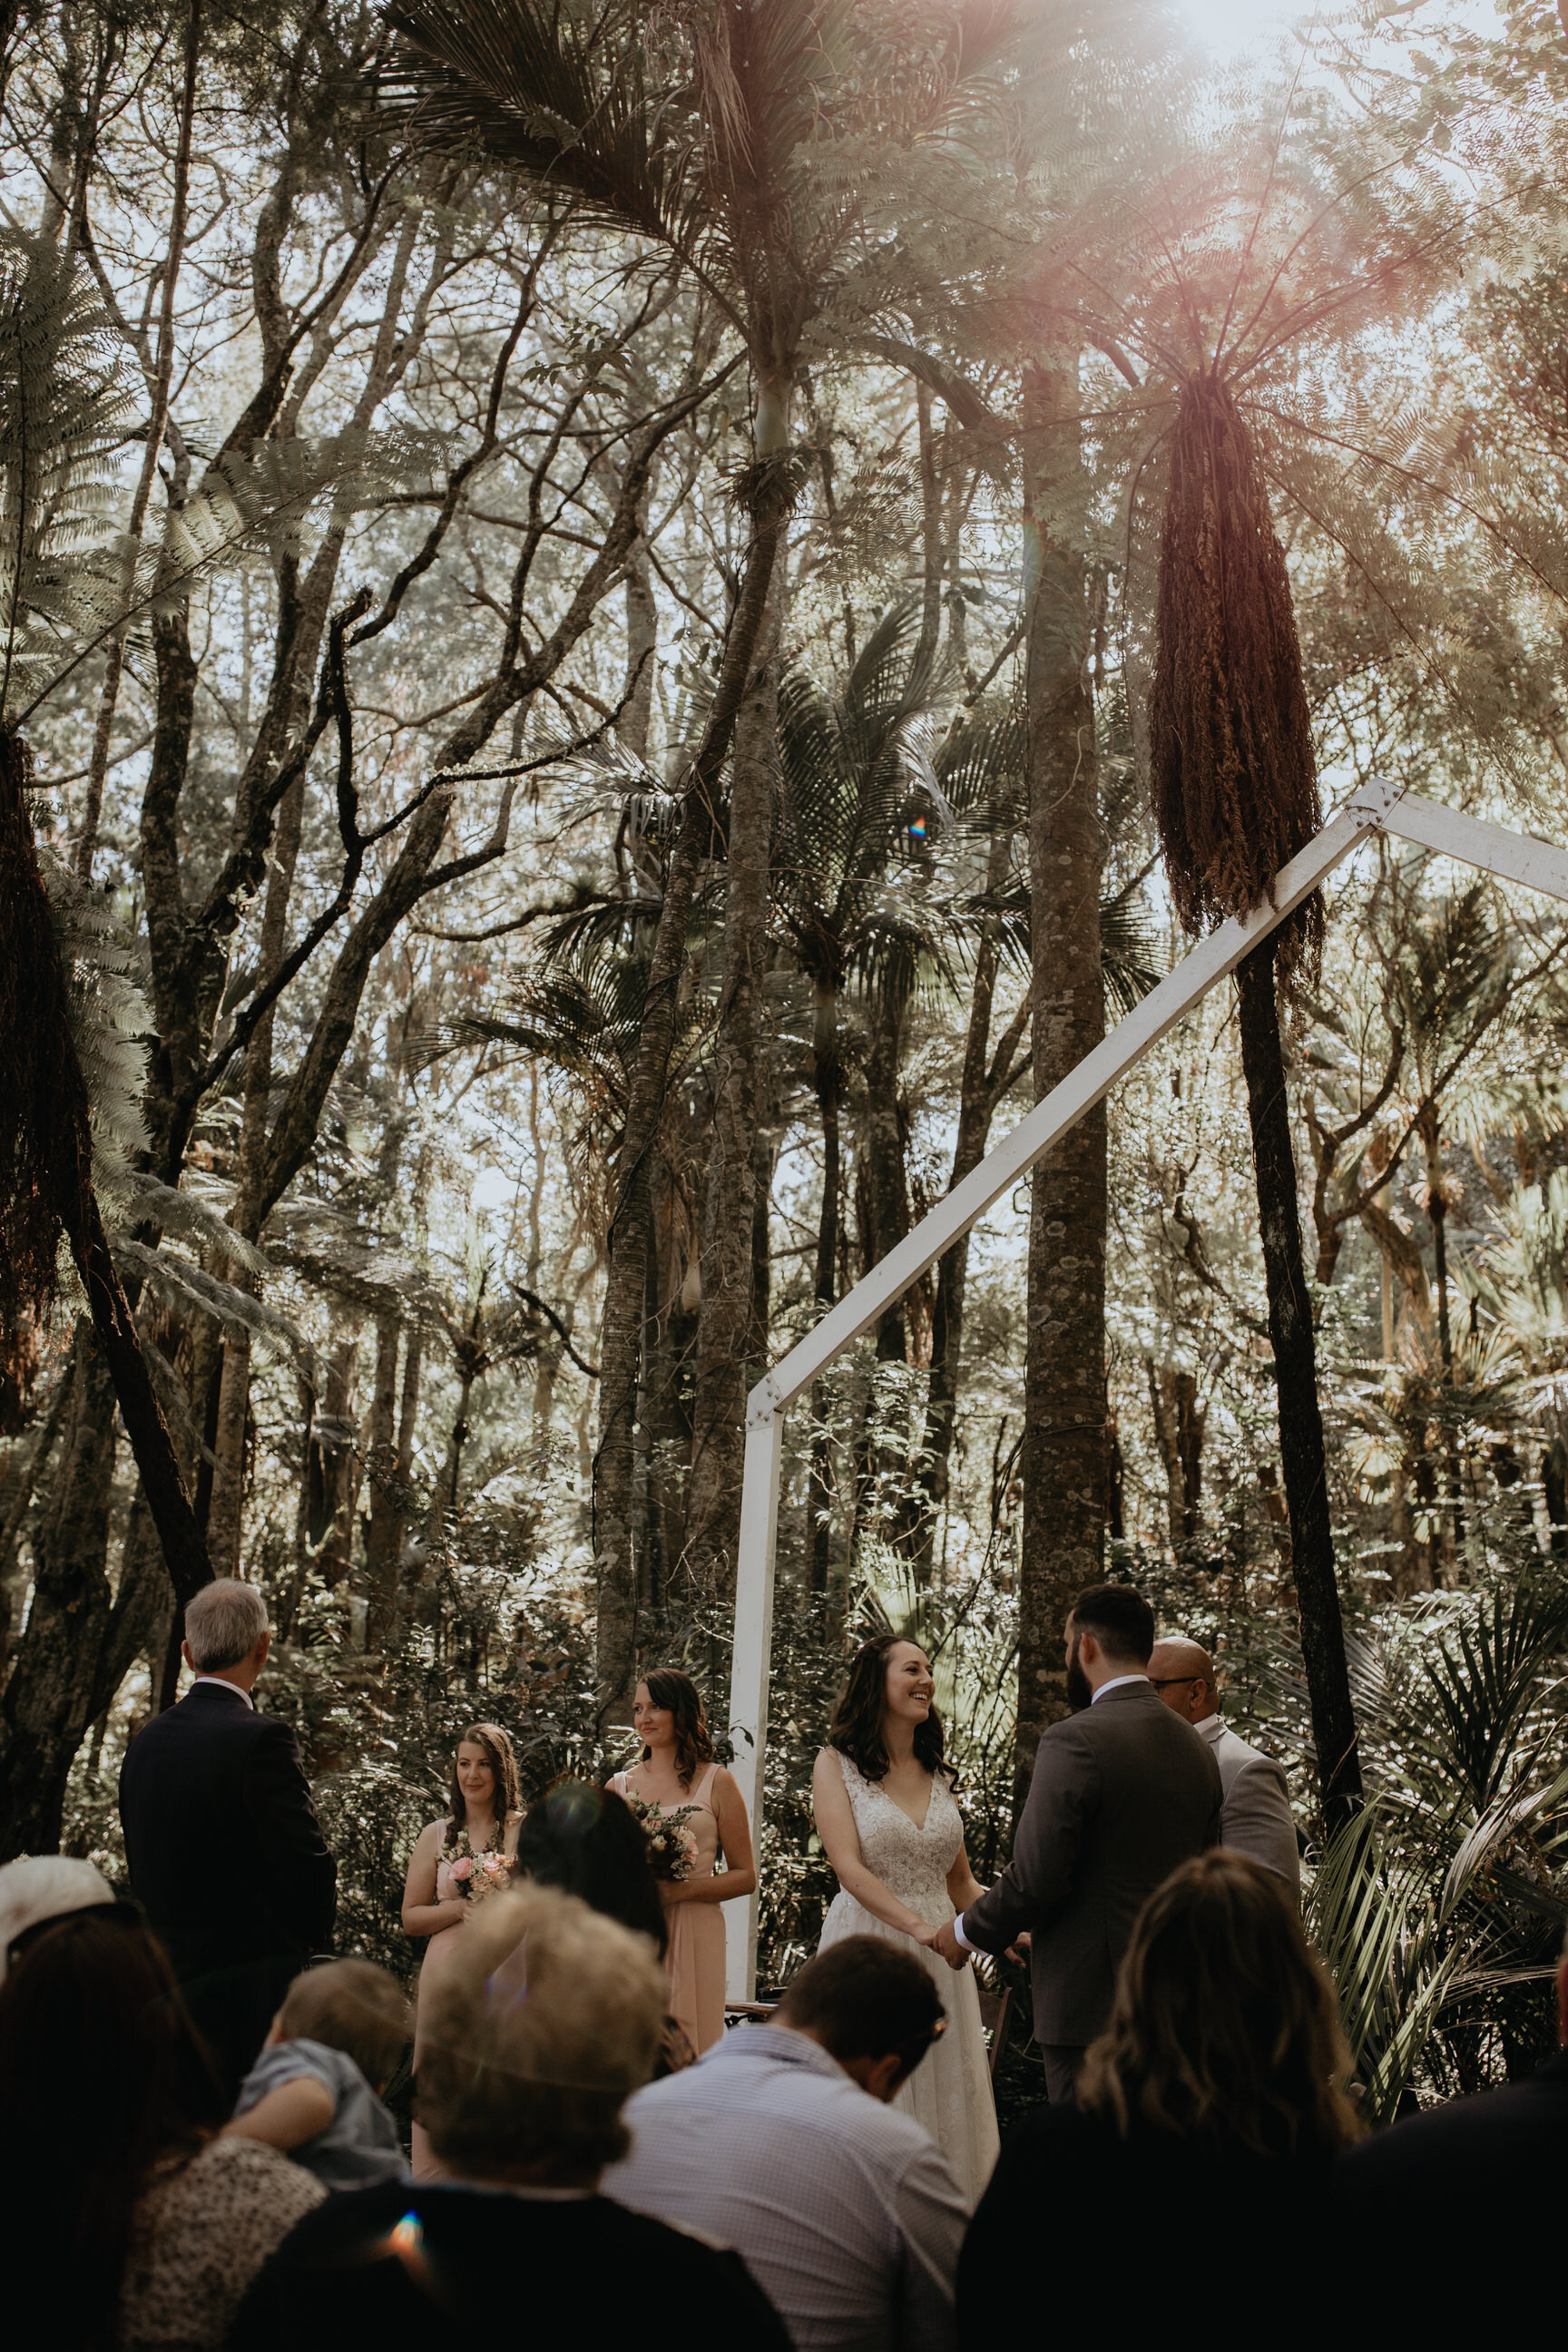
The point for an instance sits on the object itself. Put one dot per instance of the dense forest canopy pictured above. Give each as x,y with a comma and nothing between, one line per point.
604,659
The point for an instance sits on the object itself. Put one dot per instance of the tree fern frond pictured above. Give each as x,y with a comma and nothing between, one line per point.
178,1282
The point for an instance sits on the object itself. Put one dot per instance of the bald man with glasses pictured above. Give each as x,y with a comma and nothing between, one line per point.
1257,1820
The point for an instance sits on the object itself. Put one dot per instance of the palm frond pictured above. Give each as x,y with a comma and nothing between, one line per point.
556,94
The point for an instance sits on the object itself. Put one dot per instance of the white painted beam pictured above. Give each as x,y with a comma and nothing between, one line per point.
749,1672
1512,857
1065,1105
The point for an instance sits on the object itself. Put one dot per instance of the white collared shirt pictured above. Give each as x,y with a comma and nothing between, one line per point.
224,1684
843,2209
1117,1682
1209,1720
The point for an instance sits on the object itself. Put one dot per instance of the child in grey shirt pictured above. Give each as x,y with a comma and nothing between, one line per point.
312,2092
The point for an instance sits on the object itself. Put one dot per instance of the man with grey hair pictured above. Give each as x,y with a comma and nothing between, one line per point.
225,1854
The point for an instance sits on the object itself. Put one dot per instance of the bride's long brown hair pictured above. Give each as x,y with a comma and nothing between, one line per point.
856,1729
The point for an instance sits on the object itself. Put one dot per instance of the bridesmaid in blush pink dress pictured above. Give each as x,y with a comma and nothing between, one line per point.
483,1822
677,1770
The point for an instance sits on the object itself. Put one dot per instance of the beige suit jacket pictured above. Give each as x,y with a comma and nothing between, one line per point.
1256,1819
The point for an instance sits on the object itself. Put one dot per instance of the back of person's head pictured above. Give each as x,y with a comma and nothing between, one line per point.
1120,1619
1224,2024
224,1623
586,1842
543,2021
863,1998
101,2073
352,2006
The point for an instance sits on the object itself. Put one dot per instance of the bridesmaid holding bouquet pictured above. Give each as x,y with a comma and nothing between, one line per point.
691,1812
469,1853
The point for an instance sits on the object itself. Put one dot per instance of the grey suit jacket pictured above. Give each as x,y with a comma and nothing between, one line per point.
1257,1820
1122,1793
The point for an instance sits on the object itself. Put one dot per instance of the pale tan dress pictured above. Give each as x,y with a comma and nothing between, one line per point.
438,1950
695,1958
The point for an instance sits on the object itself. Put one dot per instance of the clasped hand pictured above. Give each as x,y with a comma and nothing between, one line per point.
946,1942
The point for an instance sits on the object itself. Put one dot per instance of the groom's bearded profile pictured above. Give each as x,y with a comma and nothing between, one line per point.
1080,1690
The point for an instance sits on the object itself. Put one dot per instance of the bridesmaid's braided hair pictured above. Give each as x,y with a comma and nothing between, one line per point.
855,1730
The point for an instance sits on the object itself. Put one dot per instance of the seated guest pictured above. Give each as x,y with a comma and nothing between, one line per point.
1255,1818
225,1852
315,2090
1500,2159
546,2017
130,2217
1208,2115
781,2143
586,1842
41,1890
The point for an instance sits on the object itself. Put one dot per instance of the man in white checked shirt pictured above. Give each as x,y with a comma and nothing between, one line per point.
781,2144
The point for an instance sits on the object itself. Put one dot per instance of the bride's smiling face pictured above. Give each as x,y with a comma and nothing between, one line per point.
911,1686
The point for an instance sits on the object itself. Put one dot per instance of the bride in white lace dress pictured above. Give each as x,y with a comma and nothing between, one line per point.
888,1824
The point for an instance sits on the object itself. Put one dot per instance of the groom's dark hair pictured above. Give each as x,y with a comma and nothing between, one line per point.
1120,1619
861,1998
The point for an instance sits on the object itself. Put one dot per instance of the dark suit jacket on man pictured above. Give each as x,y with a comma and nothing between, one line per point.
1500,2160
227,1860
1123,1793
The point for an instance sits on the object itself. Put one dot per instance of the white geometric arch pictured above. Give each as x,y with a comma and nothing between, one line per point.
1514,857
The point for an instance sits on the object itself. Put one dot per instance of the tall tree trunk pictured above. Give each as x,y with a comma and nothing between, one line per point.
726,1355
621,1340
979,1092
932,550
330,1476
1302,1455
882,1157
381,1543
1063,1458
50,1693
827,1081
224,1513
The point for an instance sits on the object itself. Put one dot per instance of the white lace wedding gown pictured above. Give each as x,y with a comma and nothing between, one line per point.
950,2090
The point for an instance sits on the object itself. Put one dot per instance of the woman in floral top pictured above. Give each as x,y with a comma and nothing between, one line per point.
469,1853
147,2227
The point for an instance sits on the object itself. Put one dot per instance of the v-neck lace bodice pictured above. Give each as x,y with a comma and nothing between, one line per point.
950,2090
911,1862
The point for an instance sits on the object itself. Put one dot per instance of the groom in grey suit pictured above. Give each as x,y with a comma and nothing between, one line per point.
1123,1793
1257,1820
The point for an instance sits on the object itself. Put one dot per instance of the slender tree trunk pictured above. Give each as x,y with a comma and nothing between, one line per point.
621,1340
726,1355
931,547
330,1476
50,1693
381,1545
226,1511
162,375
1063,1458
642,644
1302,1454
978,1096
1430,1128
882,1157
827,1078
